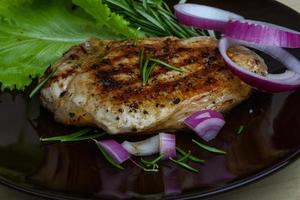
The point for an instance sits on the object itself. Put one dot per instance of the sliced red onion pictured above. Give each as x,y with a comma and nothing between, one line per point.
167,145
204,17
262,33
146,147
115,150
289,80
255,34
206,123
235,26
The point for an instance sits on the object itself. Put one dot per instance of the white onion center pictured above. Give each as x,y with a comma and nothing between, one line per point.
207,12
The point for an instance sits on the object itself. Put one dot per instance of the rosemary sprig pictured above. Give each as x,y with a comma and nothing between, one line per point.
186,157
148,73
41,84
67,137
77,136
154,169
154,17
184,165
80,136
107,157
209,148
191,157
166,65
141,60
145,72
152,163
93,136
241,129
147,66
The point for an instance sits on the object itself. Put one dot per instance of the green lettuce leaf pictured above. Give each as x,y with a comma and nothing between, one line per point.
104,16
34,35
6,5
95,8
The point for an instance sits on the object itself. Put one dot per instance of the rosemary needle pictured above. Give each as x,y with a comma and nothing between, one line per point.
41,84
166,65
191,157
141,60
155,18
241,129
209,148
149,71
154,169
184,165
74,137
152,162
93,136
145,72
147,66
186,157
68,137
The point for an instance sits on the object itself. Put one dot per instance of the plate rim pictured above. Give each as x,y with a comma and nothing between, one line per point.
194,195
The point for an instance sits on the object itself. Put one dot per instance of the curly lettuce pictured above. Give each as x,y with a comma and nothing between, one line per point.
113,21
34,34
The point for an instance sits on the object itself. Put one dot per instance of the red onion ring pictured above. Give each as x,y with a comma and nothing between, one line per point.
255,34
262,33
235,26
289,80
204,17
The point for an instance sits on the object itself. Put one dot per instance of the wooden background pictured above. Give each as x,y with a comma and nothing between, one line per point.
295,4
284,185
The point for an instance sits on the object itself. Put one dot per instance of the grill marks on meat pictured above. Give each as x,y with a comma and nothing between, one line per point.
121,76
99,82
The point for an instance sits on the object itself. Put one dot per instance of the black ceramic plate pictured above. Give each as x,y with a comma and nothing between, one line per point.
270,141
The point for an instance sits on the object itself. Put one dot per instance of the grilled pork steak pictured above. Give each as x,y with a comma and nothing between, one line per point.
99,83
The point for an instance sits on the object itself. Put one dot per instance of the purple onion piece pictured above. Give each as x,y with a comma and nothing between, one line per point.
115,150
193,120
167,145
145,147
206,123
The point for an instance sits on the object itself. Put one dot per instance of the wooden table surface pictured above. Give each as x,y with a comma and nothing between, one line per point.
284,185
295,4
